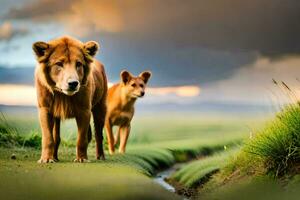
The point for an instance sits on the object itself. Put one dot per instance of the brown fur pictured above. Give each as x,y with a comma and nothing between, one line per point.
120,107
60,61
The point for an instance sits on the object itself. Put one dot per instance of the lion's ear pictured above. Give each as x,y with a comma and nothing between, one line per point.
40,48
125,76
91,48
145,76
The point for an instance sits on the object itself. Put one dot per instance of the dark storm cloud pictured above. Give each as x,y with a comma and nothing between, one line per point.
182,42
170,66
38,9
268,26
16,75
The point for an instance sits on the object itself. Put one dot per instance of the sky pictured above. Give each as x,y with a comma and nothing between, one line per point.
222,51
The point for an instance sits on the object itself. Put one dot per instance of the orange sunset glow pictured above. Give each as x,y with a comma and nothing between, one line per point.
12,94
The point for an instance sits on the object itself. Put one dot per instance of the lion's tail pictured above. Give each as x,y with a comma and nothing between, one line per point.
89,134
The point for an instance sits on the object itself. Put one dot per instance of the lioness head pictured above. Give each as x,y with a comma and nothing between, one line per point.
134,86
65,63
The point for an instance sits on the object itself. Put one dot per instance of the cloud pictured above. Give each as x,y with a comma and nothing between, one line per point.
192,43
80,17
253,83
19,76
181,91
94,16
39,9
8,31
269,27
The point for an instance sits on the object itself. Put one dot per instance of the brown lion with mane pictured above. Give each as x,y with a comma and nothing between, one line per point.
70,83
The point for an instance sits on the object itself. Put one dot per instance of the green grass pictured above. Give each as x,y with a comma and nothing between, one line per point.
181,127
154,144
279,143
274,151
198,172
10,136
149,128
119,176
273,155
23,178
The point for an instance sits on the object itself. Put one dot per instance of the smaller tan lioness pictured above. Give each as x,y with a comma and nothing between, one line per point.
120,107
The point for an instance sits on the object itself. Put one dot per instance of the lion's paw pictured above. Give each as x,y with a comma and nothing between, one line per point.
100,157
46,160
82,160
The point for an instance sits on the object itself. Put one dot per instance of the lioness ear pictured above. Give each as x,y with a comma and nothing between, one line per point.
40,48
145,76
91,48
125,76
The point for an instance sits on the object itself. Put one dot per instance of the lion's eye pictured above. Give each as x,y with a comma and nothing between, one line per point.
78,65
141,85
133,85
60,64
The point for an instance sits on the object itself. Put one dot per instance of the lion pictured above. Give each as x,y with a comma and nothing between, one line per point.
121,98
70,83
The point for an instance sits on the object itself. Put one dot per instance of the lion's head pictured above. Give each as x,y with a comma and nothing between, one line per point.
134,86
65,63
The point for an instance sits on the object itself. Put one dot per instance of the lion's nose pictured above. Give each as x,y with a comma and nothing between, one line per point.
142,94
73,85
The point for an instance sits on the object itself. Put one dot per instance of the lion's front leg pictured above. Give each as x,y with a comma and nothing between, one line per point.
46,122
83,122
56,137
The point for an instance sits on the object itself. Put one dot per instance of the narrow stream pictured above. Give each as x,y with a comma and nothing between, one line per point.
161,176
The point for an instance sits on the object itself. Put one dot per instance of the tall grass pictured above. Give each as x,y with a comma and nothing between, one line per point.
10,137
276,148
279,143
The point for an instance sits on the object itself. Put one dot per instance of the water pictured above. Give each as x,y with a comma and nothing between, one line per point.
160,179
161,176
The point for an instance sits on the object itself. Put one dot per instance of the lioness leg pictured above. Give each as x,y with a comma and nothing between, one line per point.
46,121
56,137
83,123
110,137
117,136
99,111
125,130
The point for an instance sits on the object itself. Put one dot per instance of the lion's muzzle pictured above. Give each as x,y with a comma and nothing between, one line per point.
72,85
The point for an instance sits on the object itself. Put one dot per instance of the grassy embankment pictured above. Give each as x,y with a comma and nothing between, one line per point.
266,167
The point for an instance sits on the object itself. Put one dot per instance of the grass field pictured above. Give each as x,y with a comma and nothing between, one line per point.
155,144
229,154
23,178
148,128
224,155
